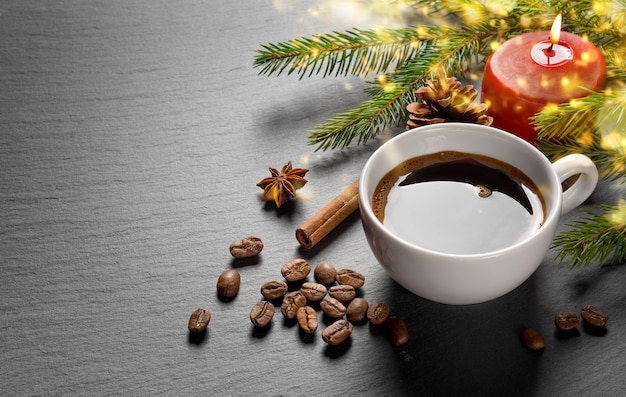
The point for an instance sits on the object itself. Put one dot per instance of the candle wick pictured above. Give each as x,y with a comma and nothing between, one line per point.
549,51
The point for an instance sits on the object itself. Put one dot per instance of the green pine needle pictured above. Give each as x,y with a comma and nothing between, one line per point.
356,52
594,125
600,237
390,96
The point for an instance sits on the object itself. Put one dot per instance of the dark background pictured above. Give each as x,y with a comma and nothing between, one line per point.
132,136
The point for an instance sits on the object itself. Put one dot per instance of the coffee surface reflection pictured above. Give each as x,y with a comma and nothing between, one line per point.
458,203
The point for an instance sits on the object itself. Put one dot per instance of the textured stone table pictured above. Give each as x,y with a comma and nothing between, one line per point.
132,136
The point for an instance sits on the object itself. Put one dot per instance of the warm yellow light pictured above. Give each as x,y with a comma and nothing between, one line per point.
614,140
617,217
422,32
576,103
389,87
619,167
602,7
585,56
555,32
525,21
494,45
551,108
585,139
313,12
472,14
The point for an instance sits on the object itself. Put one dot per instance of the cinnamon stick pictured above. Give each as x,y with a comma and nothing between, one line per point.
329,217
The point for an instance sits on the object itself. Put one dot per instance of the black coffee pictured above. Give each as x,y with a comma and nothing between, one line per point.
459,203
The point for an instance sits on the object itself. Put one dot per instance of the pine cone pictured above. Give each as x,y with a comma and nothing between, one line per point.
443,100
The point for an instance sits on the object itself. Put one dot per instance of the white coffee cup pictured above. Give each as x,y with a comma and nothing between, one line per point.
471,278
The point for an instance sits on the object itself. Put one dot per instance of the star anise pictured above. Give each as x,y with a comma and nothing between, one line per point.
282,185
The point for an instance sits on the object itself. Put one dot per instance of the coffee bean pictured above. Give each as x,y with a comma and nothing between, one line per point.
313,292
199,320
246,247
396,331
350,277
377,313
566,321
291,302
295,270
228,283
357,310
343,293
274,289
594,316
307,319
532,339
332,307
262,313
337,333
325,273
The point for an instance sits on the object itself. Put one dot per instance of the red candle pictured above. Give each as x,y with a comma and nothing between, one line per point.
536,69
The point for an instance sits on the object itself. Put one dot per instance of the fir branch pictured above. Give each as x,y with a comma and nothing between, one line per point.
600,237
394,91
606,109
610,162
594,125
385,107
356,52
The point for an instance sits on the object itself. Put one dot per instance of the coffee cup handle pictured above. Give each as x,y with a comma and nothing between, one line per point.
581,189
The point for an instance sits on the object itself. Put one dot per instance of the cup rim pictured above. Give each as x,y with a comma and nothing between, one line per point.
365,202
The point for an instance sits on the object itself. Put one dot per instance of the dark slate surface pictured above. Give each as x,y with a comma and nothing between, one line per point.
132,134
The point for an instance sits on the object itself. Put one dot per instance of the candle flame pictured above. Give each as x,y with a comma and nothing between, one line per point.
555,32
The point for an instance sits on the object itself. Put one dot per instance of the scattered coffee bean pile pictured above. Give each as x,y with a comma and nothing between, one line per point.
566,322
334,292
